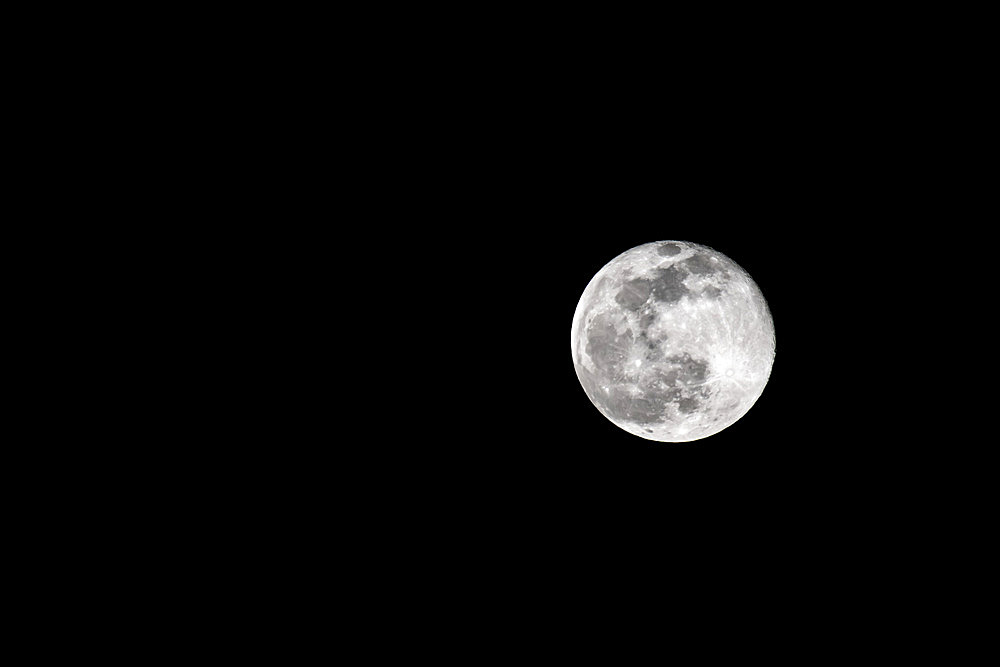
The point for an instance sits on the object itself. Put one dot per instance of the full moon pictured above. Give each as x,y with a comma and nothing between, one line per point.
673,341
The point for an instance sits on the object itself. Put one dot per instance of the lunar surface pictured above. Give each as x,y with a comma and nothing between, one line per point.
673,341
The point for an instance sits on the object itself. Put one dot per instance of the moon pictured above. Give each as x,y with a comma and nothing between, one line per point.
673,341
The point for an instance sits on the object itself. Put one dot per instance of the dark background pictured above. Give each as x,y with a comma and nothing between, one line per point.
441,443
515,177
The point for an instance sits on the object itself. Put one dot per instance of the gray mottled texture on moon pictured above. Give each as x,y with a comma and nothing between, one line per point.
673,341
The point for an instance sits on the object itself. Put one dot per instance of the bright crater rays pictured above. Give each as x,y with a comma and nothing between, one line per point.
672,341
